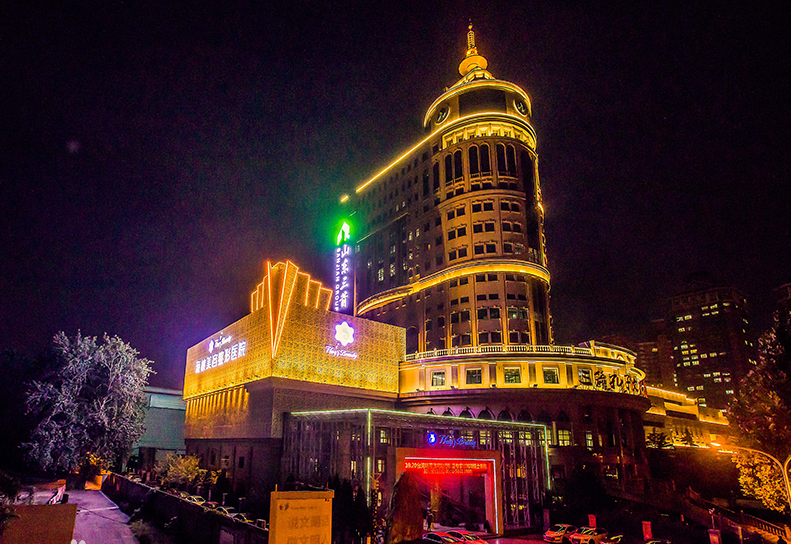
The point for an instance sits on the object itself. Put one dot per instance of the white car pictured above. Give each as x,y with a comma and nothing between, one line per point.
560,532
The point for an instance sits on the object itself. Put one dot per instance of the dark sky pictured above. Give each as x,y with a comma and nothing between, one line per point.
155,154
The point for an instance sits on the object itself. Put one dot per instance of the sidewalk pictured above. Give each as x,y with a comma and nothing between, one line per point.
99,521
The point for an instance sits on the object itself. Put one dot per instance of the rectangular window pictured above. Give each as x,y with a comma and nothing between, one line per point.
474,376
380,465
462,252
589,440
512,375
564,437
551,375
438,378
488,206
477,227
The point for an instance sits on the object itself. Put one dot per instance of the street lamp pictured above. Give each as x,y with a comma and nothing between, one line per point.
783,466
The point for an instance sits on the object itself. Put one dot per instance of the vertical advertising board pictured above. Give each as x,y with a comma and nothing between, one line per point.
343,296
297,517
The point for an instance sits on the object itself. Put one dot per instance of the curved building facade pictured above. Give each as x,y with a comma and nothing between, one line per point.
452,249
452,245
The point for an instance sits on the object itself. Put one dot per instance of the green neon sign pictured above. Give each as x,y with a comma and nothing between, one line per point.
344,234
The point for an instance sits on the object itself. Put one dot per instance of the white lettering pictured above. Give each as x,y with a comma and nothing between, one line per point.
340,352
226,355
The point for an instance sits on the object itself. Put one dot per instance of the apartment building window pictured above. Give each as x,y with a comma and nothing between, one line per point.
438,378
512,375
551,375
474,376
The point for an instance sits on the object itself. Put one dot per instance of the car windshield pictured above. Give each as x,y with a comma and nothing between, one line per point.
557,528
586,530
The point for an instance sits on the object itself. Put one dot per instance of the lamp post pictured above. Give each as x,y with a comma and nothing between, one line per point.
783,466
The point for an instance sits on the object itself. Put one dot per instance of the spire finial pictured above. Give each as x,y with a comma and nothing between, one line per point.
471,59
471,50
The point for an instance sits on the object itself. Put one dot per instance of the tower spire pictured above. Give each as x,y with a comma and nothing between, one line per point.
471,49
472,60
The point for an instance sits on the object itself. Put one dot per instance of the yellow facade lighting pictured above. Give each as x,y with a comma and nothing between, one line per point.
464,269
447,127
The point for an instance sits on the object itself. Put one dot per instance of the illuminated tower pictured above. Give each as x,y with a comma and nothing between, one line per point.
451,243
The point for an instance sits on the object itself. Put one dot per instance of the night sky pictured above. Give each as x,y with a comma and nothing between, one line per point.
156,154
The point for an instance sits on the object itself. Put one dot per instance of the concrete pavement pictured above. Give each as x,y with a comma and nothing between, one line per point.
99,521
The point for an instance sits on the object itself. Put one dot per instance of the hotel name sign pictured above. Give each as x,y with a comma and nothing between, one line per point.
219,354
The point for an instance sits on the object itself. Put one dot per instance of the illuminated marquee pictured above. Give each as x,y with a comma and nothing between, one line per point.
341,301
448,440
219,355
455,467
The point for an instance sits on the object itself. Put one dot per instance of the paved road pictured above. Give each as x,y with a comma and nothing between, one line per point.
99,521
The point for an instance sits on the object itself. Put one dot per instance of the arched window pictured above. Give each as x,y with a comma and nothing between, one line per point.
486,414
473,155
504,415
486,165
466,413
457,170
411,340
447,412
448,169
525,416
528,180
510,157
502,166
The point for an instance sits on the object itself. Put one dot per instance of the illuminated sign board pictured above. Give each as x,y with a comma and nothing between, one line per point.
456,467
342,298
344,334
448,440
219,355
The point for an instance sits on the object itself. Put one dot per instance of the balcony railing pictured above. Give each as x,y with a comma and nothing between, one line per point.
499,348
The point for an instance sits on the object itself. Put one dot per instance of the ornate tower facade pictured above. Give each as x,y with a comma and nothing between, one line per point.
451,240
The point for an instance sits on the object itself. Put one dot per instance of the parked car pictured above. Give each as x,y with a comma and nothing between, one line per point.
246,518
560,532
658,541
226,510
589,535
211,505
439,538
197,499
466,536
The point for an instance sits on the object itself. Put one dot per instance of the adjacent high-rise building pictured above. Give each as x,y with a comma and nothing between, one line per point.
712,346
451,239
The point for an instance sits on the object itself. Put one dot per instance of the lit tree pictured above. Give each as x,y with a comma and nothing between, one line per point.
761,414
93,403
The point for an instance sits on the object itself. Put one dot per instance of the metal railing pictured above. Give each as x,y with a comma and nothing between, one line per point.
499,348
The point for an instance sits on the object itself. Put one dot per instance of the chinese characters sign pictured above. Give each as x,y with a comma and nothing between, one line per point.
301,517
342,297
613,382
219,355
457,467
